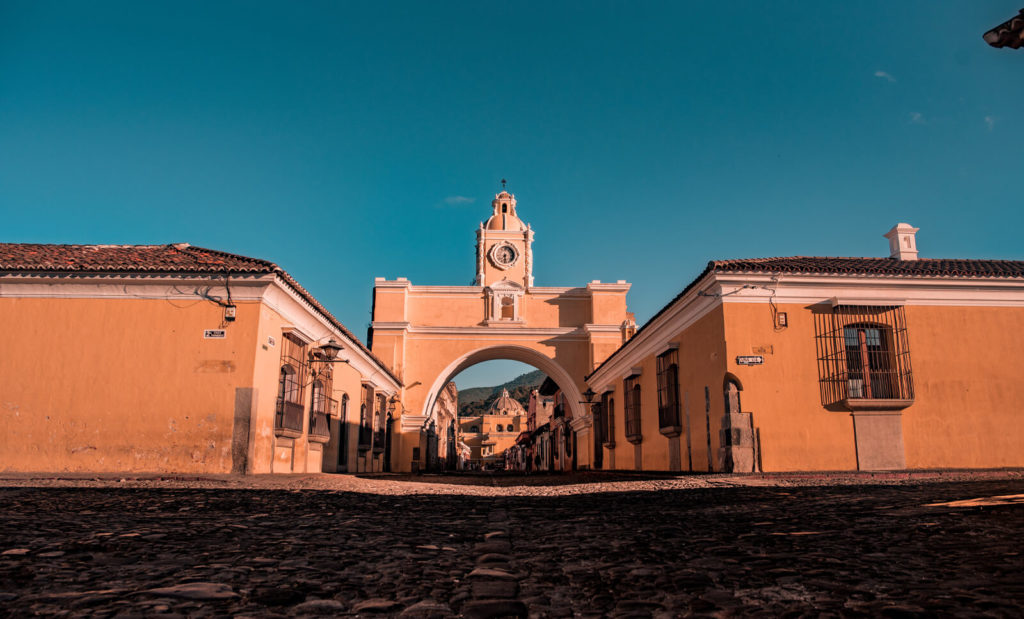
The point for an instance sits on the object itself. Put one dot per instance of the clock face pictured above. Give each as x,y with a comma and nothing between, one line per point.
504,256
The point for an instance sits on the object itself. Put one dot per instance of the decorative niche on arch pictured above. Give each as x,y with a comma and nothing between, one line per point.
504,303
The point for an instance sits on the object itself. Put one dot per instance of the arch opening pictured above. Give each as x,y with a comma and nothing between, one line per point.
508,435
522,354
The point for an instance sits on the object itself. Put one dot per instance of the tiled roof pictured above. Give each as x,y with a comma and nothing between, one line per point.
821,265
924,267
176,258
171,258
1007,34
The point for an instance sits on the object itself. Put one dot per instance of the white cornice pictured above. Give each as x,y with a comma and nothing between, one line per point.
485,333
412,423
655,335
401,282
594,328
620,286
267,288
714,289
580,423
809,289
536,291
494,330
379,325
134,286
559,291
299,313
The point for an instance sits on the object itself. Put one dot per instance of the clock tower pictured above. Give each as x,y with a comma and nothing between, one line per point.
503,246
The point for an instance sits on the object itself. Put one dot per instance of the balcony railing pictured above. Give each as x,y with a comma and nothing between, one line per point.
289,417
319,421
319,426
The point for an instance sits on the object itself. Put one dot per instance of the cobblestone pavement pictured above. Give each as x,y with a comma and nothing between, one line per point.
586,545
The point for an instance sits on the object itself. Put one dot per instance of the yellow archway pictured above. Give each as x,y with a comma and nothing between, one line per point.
522,354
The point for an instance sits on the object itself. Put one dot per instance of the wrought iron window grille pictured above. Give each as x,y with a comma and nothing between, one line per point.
634,434
864,357
668,392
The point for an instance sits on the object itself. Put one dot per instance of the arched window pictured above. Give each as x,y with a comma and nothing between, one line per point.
731,392
869,361
668,392
365,418
379,427
318,423
863,354
510,428
504,208
344,407
289,400
474,428
608,416
319,398
634,434
289,388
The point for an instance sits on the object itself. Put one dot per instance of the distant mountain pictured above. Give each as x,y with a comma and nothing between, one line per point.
477,400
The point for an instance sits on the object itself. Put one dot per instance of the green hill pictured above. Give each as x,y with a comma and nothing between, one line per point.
477,400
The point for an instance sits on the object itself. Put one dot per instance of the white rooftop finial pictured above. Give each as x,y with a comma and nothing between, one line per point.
902,242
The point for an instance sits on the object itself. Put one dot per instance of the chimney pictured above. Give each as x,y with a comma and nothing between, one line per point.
902,244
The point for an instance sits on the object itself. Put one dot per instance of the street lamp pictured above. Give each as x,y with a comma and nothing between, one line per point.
331,350
324,355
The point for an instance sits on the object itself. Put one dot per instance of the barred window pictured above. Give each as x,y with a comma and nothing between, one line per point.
864,356
319,409
608,418
289,392
379,425
632,396
365,413
668,391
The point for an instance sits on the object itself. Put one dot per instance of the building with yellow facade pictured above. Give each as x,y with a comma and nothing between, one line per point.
428,334
491,434
814,363
173,358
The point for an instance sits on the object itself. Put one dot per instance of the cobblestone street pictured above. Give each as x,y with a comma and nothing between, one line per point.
587,545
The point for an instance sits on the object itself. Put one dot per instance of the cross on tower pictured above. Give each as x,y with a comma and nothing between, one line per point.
503,181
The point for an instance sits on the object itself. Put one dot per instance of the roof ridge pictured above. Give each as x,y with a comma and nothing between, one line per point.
880,258
188,248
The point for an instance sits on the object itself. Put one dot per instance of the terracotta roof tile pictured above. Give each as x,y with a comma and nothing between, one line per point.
924,267
171,258
823,265
176,258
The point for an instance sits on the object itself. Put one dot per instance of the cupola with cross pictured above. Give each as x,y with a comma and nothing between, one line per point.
503,245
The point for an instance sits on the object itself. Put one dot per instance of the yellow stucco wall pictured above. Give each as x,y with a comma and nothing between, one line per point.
797,433
120,384
421,357
702,363
967,389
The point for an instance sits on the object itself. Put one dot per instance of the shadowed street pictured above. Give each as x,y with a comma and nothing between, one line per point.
856,549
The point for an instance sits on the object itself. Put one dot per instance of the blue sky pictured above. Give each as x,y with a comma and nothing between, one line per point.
350,141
